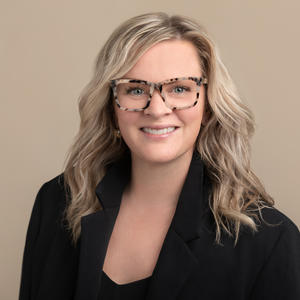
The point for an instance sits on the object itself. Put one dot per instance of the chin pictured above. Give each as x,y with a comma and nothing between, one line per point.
160,157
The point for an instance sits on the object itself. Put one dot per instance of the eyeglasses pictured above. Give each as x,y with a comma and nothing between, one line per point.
177,93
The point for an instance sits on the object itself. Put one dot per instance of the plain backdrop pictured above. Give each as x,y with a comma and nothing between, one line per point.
47,52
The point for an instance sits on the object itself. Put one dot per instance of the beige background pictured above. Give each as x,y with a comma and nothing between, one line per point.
47,53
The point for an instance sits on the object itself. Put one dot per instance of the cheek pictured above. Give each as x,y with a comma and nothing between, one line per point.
127,123
122,117
192,124
126,119
192,117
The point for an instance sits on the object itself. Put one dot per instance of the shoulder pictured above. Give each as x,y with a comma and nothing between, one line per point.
52,189
273,222
275,234
51,199
54,185
276,248
276,223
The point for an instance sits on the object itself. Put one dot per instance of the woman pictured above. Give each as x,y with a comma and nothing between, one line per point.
157,199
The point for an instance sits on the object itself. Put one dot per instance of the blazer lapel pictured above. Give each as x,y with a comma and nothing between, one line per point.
96,229
175,262
95,233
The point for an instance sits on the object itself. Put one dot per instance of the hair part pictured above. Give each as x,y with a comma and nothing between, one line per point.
223,142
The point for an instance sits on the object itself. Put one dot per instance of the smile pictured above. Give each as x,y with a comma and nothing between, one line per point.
158,131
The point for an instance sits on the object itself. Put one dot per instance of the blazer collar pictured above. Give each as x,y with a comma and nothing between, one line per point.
176,261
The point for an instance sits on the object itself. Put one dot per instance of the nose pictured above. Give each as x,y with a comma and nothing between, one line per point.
157,106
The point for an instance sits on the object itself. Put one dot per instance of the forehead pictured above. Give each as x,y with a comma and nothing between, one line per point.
167,59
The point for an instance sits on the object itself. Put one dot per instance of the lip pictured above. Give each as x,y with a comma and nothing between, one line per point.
160,126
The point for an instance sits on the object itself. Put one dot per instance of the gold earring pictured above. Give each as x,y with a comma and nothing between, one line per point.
117,133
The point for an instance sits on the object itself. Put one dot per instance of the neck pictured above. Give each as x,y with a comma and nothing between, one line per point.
156,186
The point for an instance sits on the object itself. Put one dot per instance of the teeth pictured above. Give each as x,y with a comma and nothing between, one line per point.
158,131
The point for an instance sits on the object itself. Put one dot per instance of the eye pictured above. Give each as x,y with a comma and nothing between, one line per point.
180,89
136,91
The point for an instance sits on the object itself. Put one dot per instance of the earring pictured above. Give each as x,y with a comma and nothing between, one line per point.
117,133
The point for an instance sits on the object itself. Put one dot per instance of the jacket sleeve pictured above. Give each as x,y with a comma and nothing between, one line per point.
280,275
28,254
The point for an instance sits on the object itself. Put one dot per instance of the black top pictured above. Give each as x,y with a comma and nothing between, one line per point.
135,290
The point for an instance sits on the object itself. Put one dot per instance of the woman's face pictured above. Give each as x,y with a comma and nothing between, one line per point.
165,60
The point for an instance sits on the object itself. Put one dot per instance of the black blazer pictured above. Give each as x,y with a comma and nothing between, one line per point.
265,265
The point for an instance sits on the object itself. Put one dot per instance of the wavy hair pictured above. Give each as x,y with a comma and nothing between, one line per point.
223,142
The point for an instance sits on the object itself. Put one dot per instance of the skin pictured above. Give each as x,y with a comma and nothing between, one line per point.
159,167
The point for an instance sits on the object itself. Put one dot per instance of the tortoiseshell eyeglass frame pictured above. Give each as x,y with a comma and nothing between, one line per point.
158,86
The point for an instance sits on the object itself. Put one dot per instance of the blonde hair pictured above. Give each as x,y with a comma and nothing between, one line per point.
223,142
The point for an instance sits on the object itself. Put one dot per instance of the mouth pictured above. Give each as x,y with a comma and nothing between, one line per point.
159,131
